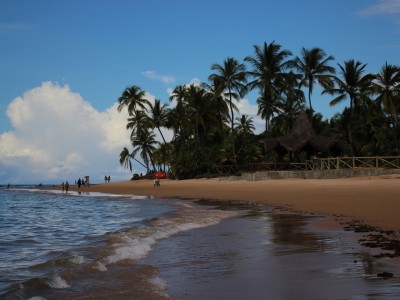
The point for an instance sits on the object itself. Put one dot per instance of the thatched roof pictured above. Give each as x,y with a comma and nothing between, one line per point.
302,135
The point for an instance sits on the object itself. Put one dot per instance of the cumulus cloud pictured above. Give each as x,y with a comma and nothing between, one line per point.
58,136
166,79
247,108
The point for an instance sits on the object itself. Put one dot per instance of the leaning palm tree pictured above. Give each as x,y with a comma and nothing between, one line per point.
387,86
356,86
125,159
158,115
313,65
269,64
232,76
132,97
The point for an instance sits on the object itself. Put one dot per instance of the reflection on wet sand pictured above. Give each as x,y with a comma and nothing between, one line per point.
265,255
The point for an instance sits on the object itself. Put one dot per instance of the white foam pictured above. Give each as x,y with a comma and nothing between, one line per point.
77,260
138,243
37,298
159,283
100,266
57,282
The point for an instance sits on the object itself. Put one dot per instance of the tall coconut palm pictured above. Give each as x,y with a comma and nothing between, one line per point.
176,115
314,67
232,76
132,97
221,104
355,85
387,86
291,103
158,115
138,122
268,63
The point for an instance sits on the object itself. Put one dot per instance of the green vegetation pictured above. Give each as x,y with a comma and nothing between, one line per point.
206,133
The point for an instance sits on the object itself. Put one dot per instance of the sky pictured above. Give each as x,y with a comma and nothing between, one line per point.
64,63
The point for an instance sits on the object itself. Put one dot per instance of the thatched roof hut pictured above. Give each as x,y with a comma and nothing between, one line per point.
303,138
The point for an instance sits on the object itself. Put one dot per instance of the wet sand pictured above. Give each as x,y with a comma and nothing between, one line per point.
262,254
372,200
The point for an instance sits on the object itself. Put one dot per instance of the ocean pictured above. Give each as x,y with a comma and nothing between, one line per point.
100,246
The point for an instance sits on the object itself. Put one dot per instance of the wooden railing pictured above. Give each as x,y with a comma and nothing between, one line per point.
331,163
388,162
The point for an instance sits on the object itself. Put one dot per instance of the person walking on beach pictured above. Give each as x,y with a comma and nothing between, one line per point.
62,187
66,186
109,178
105,179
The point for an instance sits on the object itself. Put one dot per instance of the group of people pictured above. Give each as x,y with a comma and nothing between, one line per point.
82,182
107,179
65,187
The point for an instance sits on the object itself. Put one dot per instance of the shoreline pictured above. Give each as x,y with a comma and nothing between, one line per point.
373,200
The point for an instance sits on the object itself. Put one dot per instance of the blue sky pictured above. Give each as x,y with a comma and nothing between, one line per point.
63,65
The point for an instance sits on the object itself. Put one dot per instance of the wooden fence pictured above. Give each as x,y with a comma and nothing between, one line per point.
331,163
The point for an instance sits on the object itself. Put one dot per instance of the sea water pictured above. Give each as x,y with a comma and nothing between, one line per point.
52,241
95,246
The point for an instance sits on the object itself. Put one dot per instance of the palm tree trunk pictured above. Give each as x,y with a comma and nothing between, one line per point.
349,129
233,134
395,137
309,101
162,136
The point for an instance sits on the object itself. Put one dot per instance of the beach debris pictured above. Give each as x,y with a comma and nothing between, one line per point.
385,275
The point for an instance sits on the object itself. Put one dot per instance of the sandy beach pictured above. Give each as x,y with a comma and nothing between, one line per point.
372,200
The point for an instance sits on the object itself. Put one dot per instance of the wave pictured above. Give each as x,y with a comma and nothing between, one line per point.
137,242
63,268
65,260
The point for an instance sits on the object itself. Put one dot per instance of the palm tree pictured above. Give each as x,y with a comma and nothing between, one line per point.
356,86
138,122
221,104
144,142
387,86
125,159
314,68
176,115
158,115
244,124
132,97
291,103
268,70
232,76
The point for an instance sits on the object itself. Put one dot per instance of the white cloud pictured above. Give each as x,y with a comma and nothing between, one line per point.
382,7
166,79
58,136
246,108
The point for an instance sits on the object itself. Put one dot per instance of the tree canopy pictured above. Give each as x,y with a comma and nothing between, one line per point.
208,129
